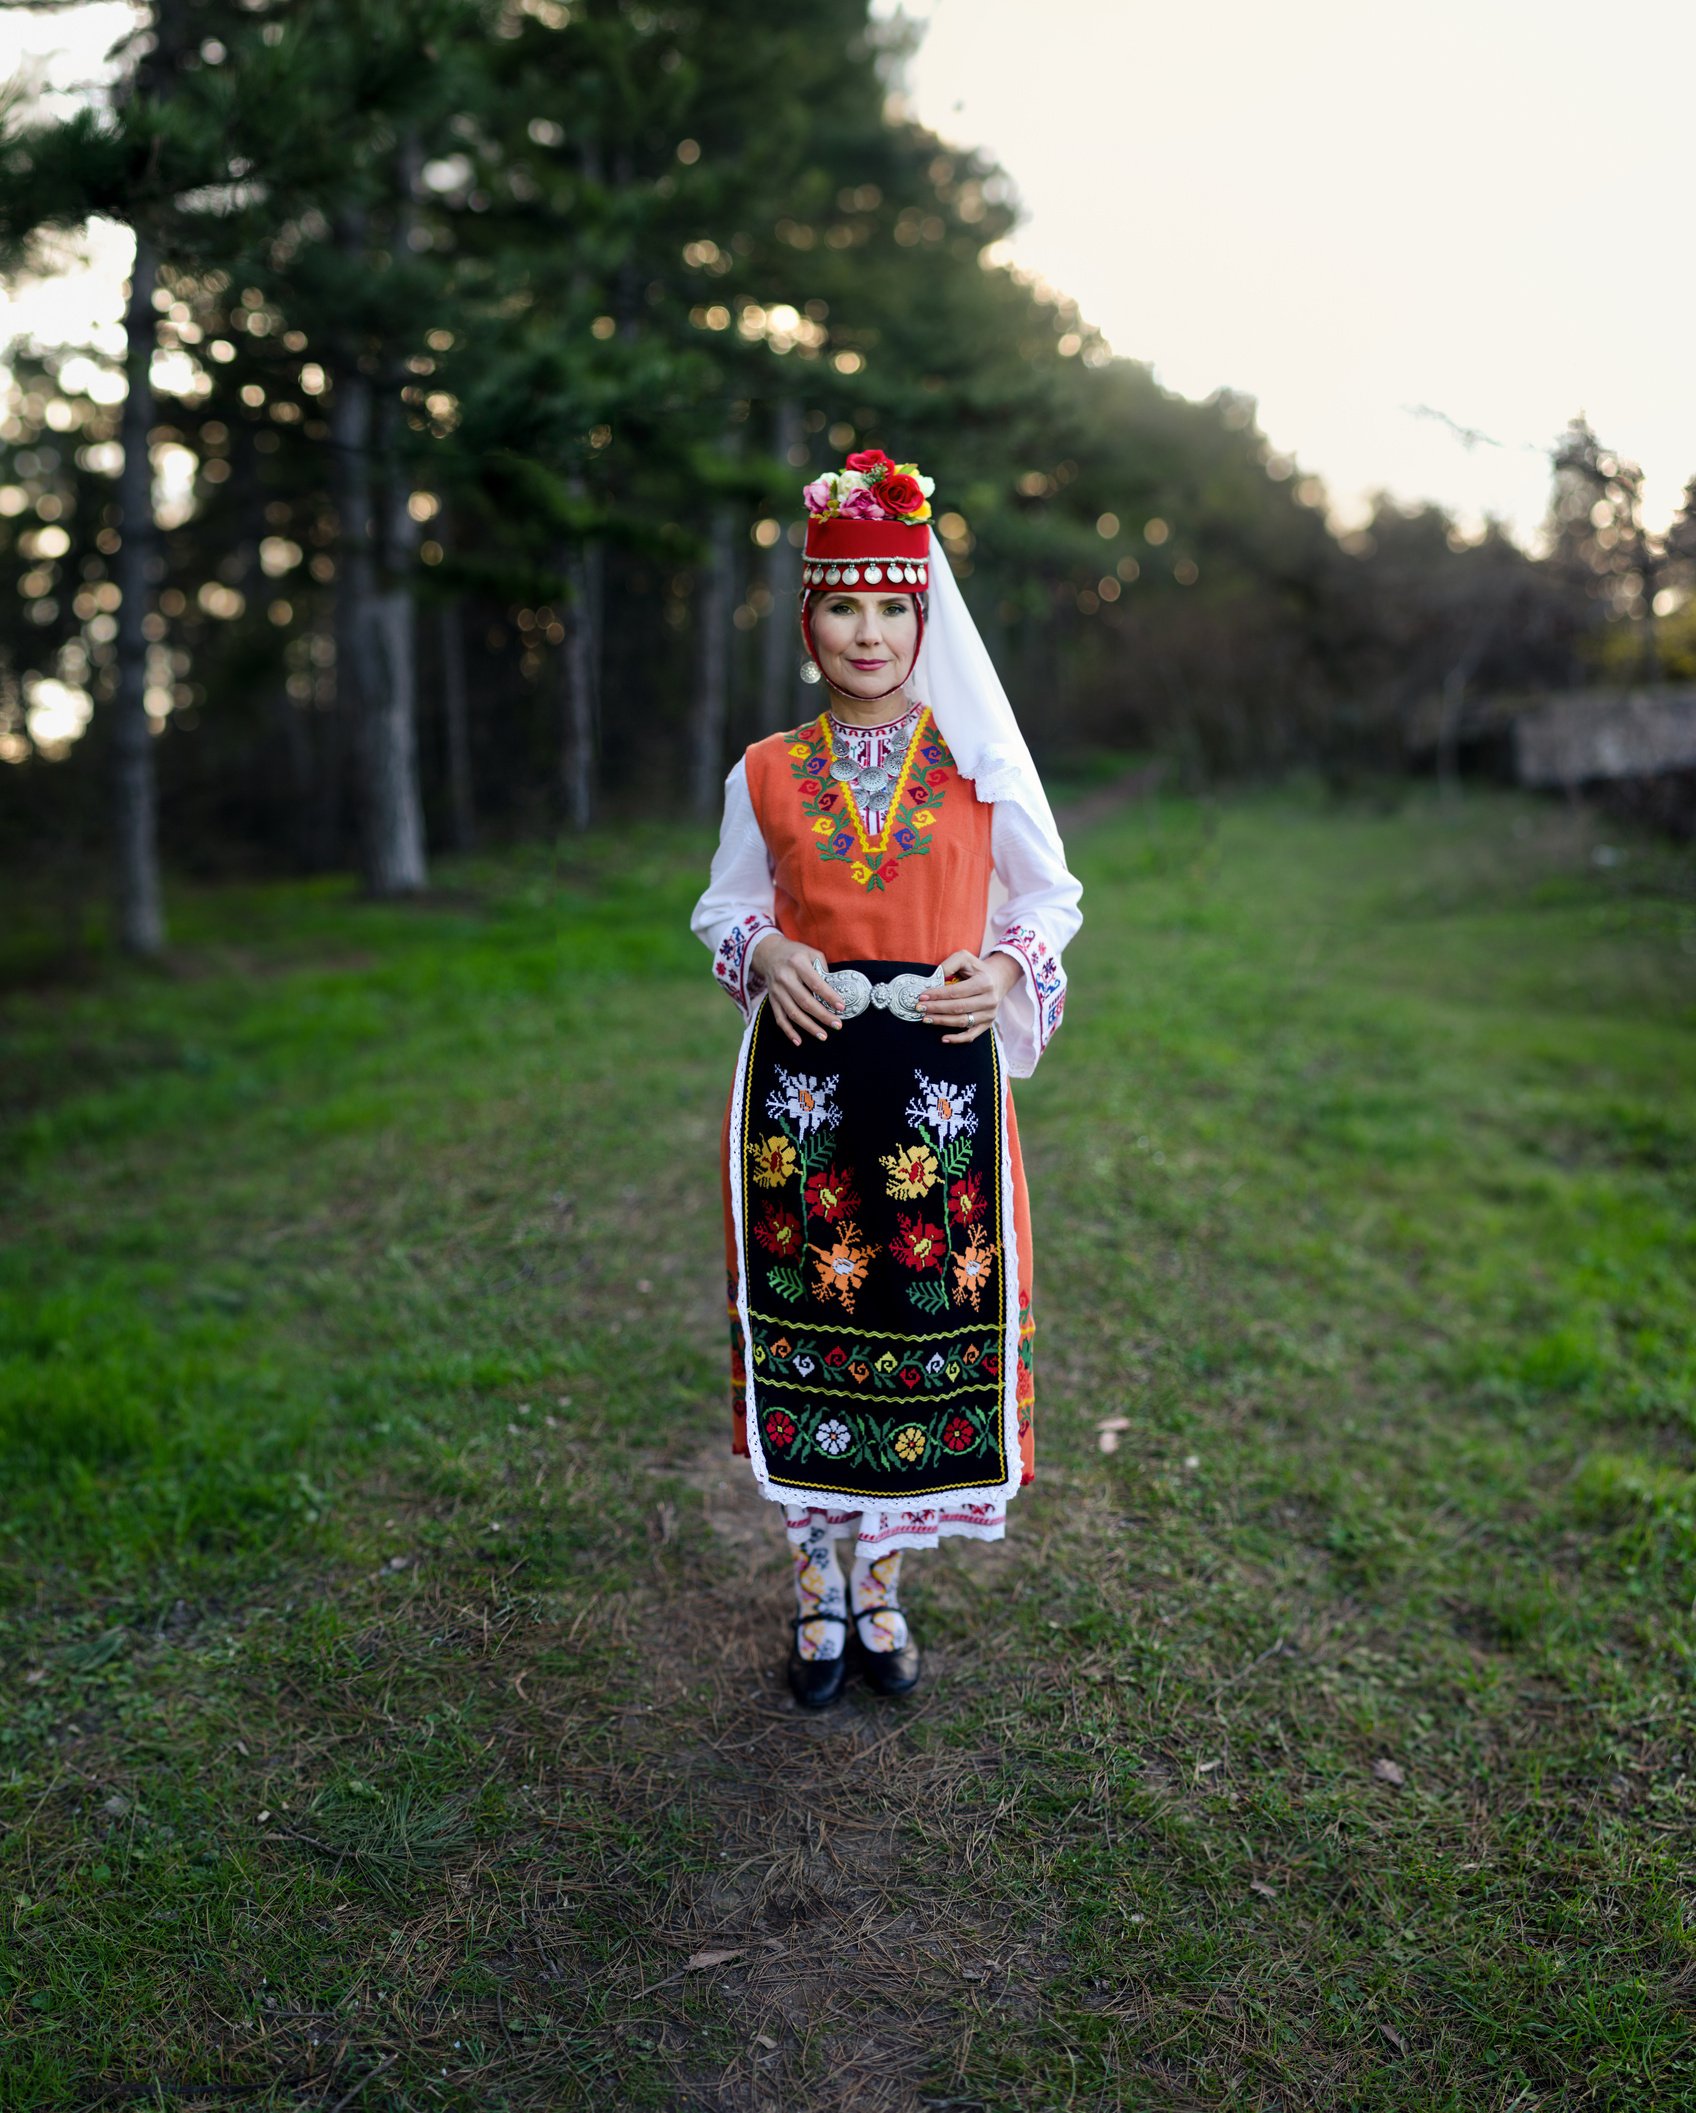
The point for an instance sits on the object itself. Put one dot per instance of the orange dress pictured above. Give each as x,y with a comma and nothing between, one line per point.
911,890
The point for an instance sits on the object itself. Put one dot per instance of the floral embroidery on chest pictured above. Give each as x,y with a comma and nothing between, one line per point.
910,799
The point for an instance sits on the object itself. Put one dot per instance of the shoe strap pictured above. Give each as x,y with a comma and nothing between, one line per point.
863,1613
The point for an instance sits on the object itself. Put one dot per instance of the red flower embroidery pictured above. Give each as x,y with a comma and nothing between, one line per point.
935,777
910,1376
836,1355
992,1365
957,1434
779,1232
917,1245
887,871
831,1195
965,1200
780,1429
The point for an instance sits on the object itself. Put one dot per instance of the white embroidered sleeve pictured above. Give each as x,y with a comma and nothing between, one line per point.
735,912
1035,925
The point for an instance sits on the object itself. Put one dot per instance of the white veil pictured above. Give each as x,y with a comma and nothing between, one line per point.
956,678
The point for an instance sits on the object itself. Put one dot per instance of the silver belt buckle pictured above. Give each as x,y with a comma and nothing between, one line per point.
896,996
852,988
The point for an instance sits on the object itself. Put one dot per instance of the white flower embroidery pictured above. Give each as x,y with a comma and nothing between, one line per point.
833,1437
947,1109
807,1101
933,1363
803,1365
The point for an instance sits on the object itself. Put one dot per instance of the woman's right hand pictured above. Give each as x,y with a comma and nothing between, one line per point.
794,980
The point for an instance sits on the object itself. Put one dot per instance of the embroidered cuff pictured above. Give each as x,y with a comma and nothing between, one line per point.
1044,978
731,966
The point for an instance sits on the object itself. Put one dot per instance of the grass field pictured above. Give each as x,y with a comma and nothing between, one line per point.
391,1705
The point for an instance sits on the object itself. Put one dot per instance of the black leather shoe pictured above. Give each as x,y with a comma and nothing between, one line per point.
885,1672
815,1682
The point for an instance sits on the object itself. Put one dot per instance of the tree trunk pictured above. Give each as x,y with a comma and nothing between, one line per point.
577,691
712,705
375,668
456,722
781,650
138,910
394,836
358,670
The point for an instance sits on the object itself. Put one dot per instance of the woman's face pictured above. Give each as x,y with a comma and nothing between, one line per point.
865,642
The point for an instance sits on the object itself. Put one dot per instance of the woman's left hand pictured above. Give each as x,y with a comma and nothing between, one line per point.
970,1005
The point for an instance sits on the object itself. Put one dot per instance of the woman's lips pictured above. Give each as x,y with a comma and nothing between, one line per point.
866,667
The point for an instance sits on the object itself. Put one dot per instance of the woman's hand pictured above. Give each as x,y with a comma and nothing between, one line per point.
971,1004
794,980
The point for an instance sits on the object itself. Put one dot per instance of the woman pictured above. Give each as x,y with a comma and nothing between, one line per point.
888,907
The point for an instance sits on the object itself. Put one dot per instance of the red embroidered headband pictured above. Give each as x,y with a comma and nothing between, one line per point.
868,525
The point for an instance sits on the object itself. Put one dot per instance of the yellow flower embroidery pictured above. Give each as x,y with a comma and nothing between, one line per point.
911,1170
888,1361
774,1161
861,872
823,826
923,818
909,1443
799,749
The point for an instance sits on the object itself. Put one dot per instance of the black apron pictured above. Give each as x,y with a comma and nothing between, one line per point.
874,1225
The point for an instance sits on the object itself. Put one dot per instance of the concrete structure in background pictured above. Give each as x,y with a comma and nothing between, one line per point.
1586,737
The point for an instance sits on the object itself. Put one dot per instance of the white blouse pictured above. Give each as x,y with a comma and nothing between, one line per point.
1034,922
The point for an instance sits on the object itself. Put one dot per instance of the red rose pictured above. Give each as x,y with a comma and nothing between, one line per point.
870,462
899,494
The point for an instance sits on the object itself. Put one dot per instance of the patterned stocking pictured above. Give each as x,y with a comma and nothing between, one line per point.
820,1594
874,1584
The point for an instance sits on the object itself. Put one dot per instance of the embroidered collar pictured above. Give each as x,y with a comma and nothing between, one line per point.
874,778
856,739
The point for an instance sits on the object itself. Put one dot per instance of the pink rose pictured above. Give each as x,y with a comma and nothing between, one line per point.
861,505
816,497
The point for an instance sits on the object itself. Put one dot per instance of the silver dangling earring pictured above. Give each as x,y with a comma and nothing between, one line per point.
810,671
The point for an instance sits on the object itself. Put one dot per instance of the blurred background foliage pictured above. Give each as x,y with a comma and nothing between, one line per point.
475,355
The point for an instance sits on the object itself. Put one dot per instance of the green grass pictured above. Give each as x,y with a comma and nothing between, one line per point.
390,1649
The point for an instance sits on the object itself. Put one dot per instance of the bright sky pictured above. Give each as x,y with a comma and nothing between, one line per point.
1346,209
1349,209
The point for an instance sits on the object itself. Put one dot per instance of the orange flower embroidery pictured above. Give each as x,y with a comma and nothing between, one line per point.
971,1269
842,1268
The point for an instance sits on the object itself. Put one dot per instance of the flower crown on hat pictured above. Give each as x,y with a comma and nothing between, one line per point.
869,487
866,524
